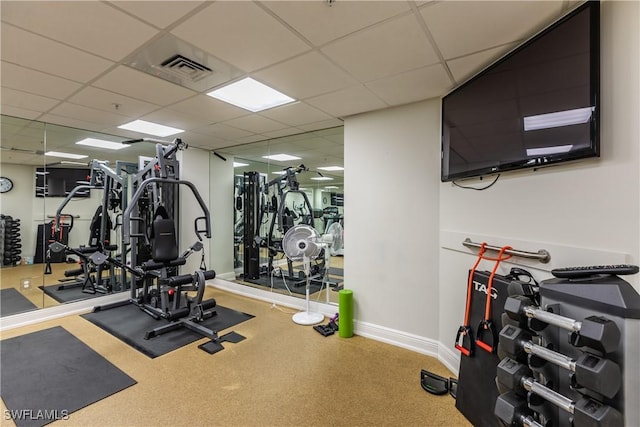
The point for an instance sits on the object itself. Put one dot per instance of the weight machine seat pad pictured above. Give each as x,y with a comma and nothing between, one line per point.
165,245
151,265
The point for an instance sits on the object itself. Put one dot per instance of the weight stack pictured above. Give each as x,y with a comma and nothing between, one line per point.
477,391
604,296
11,246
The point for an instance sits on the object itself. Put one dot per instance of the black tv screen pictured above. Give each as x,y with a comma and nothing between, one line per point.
538,105
58,182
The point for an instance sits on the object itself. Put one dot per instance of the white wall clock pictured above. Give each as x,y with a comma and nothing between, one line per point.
5,184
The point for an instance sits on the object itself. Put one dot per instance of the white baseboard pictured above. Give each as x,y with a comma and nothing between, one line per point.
231,275
62,310
394,337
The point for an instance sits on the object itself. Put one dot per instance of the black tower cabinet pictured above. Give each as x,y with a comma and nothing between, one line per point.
251,205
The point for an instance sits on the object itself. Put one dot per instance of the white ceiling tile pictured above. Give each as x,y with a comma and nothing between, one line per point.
353,100
158,13
107,101
136,84
71,122
242,34
87,114
464,67
36,52
35,82
295,113
322,125
424,83
20,99
321,23
386,49
222,131
255,123
10,110
175,119
463,27
85,25
308,75
283,132
205,142
208,108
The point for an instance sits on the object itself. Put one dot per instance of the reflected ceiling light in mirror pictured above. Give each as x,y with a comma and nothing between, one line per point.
239,164
279,172
68,162
250,95
558,119
282,157
329,187
101,143
544,151
150,128
65,155
322,178
331,168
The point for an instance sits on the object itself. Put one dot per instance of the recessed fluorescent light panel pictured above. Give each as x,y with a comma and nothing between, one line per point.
544,151
65,155
239,164
322,178
329,187
558,119
281,157
331,168
150,128
101,143
69,162
250,95
279,172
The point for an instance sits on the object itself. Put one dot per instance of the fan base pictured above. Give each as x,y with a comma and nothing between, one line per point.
306,318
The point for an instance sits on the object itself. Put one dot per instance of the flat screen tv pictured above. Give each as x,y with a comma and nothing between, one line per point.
537,106
58,182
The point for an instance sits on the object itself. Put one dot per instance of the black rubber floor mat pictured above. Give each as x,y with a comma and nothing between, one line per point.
49,374
13,302
129,324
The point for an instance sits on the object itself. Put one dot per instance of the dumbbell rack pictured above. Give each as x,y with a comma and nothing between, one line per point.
10,242
607,299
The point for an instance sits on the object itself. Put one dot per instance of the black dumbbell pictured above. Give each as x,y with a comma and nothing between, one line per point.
514,411
589,371
596,332
586,411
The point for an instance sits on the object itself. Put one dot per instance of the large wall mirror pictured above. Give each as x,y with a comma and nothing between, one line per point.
36,187
272,194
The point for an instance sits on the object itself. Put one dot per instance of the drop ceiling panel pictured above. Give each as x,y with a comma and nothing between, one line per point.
208,108
158,13
16,98
98,117
464,27
85,25
295,113
321,23
306,76
20,112
205,142
386,49
139,85
353,100
71,122
242,34
16,158
174,119
255,124
36,52
35,82
322,125
423,83
282,132
112,102
222,131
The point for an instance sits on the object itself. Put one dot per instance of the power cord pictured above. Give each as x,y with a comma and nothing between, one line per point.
477,188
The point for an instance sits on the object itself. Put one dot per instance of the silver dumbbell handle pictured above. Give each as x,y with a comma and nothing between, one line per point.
530,422
553,319
551,396
554,357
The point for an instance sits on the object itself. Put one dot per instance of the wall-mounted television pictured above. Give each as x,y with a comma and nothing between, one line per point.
536,106
58,182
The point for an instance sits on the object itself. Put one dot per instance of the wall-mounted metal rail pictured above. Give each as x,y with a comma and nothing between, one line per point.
542,255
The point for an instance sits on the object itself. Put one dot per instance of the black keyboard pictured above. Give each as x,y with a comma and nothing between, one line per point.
592,270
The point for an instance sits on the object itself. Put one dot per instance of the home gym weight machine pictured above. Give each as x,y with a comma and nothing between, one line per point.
149,229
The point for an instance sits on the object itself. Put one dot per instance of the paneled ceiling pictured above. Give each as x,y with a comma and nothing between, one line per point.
77,63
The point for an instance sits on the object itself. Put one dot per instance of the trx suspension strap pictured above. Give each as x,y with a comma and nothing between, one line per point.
486,327
464,337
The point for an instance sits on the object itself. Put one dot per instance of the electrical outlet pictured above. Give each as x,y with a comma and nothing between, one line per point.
25,283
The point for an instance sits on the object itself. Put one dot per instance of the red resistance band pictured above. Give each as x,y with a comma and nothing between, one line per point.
486,327
464,337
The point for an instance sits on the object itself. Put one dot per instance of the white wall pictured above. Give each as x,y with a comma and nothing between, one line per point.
222,206
392,169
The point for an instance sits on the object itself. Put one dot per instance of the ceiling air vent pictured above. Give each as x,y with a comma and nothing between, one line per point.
186,68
